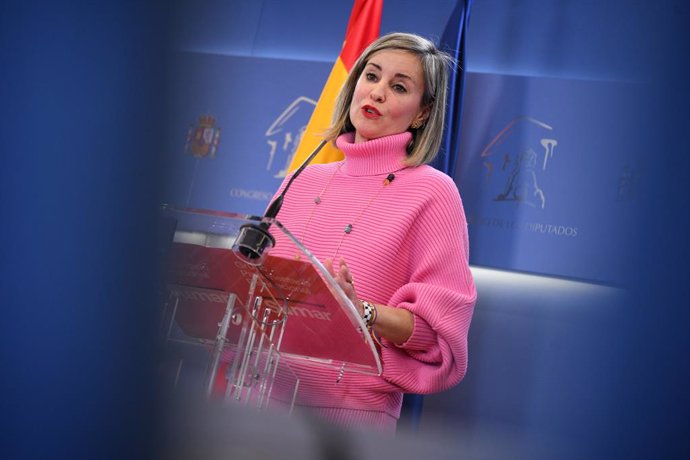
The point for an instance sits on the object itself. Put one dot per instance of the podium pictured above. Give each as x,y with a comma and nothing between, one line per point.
243,320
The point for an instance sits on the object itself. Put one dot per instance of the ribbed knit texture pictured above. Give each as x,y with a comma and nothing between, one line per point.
407,249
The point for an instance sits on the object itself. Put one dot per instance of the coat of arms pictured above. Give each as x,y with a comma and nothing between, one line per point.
202,139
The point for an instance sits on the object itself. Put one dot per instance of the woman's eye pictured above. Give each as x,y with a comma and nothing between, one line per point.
370,76
399,88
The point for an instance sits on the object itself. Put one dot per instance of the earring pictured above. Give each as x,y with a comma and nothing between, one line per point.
416,125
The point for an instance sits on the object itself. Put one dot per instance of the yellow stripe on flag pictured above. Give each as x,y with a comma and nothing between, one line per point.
320,121
362,29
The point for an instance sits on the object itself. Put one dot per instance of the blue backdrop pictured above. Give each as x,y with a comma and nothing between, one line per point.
259,118
549,171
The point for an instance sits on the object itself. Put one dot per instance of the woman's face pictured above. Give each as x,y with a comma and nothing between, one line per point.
388,95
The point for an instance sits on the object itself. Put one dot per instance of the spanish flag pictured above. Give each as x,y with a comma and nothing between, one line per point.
362,29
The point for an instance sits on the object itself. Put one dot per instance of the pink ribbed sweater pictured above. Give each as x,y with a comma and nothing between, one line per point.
408,248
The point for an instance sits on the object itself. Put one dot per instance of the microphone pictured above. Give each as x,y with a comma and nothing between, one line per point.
254,239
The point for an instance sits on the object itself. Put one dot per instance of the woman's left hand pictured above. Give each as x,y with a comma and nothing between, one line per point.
343,276
394,324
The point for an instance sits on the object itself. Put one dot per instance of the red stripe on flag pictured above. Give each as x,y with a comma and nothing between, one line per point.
362,29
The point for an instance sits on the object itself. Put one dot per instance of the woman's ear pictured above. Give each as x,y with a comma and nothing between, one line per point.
421,118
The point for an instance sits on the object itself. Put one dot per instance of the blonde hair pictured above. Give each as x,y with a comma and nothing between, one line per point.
426,140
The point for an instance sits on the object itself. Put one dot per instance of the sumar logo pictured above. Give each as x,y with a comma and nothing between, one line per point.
515,160
203,139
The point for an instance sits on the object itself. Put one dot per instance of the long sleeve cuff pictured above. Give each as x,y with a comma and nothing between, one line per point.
423,336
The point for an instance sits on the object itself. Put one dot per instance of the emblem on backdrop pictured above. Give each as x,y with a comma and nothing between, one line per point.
285,133
203,138
516,160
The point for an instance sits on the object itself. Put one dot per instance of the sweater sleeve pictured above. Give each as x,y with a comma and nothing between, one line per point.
441,295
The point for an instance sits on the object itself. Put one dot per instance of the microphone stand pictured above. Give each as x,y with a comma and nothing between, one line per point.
254,239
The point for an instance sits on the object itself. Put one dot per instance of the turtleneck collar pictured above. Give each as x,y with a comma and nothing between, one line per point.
377,156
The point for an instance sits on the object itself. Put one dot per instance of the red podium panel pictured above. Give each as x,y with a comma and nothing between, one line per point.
318,327
232,304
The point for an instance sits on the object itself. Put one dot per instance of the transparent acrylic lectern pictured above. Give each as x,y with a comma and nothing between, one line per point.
244,319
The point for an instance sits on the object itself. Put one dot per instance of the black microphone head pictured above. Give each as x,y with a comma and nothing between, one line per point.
253,242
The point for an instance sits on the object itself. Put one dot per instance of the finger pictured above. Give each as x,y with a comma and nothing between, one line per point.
345,270
328,263
342,264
